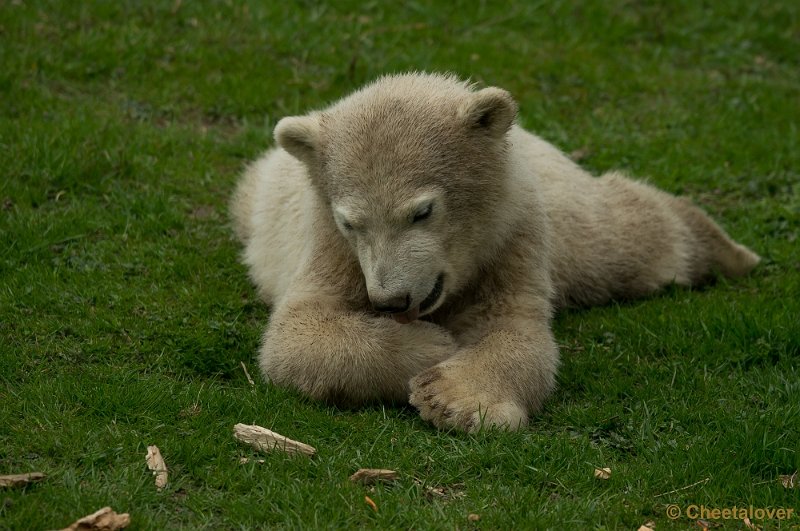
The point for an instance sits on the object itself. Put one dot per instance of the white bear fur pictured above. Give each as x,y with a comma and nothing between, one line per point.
335,222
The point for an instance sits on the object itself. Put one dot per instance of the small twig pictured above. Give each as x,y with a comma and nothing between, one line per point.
683,488
244,367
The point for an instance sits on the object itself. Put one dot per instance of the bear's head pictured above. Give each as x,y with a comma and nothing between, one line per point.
414,170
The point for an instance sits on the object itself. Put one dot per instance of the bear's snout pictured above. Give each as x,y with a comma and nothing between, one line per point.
396,304
398,308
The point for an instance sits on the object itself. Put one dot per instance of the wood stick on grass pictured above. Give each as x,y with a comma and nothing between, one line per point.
369,476
105,519
265,440
20,480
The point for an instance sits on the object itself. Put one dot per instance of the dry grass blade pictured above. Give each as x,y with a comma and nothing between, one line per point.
265,440
370,476
20,480
103,520
156,463
706,480
246,373
371,503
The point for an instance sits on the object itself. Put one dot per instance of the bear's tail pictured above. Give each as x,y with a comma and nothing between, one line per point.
737,260
715,250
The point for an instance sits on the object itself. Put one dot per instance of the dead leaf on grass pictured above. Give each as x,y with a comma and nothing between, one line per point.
602,473
790,482
103,520
750,525
245,460
444,493
156,463
472,517
371,503
265,440
648,526
441,492
370,476
20,480
191,411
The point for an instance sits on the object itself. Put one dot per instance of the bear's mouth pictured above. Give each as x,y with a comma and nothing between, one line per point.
429,302
433,296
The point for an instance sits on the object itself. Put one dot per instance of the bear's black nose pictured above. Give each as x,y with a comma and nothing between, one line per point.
398,304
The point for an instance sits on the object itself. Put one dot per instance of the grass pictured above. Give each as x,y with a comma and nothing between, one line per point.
124,314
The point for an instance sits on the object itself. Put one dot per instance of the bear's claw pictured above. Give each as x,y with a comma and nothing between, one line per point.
444,399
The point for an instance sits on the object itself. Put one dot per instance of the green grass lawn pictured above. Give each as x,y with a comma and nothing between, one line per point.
124,314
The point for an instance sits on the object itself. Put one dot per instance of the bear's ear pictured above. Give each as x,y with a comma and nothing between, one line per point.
492,110
300,136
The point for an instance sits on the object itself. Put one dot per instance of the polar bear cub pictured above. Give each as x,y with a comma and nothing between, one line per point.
414,242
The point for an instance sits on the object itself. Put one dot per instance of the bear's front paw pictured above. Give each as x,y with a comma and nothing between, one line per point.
448,398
